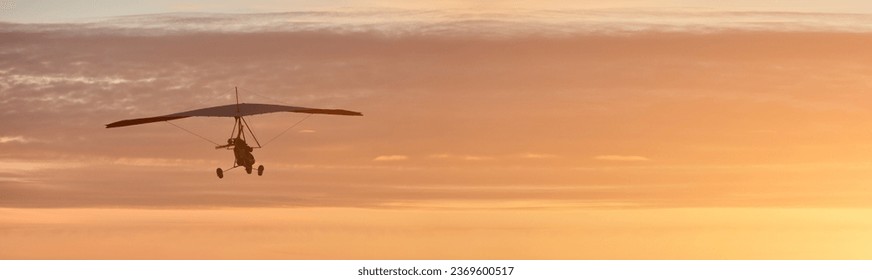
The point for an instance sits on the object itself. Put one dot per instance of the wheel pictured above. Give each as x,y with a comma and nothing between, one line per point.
260,170
220,173
248,169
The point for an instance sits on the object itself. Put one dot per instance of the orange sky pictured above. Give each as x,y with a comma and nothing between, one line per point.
529,139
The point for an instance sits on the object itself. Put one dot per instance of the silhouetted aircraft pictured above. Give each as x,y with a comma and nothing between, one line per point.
237,142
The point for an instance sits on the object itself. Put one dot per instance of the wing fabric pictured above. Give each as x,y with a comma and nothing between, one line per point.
142,121
234,110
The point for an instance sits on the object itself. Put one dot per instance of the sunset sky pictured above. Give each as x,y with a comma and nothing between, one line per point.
491,130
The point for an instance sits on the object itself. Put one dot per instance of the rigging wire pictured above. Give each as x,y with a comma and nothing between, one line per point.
233,131
192,133
235,124
281,102
264,96
195,134
248,126
286,130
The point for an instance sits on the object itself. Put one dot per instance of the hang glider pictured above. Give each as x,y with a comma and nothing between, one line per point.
242,147
234,110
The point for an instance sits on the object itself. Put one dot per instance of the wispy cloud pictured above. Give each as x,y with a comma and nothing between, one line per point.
537,156
476,158
421,111
621,158
37,165
158,162
15,139
391,158
47,80
399,22
469,157
461,157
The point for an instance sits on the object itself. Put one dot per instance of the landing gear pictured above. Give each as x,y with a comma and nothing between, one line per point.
248,169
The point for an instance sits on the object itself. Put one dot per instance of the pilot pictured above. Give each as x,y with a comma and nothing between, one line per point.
243,154
241,145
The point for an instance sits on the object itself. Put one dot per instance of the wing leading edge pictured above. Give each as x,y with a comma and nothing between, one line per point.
234,110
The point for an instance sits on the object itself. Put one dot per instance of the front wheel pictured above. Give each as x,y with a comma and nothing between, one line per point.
260,170
220,173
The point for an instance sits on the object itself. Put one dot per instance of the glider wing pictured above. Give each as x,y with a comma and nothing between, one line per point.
234,110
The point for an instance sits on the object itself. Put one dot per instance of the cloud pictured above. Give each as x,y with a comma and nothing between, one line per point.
17,165
159,162
391,158
429,93
537,156
483,158
461,157
306,131
621,158
402,22
14,139
476,158
46,80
